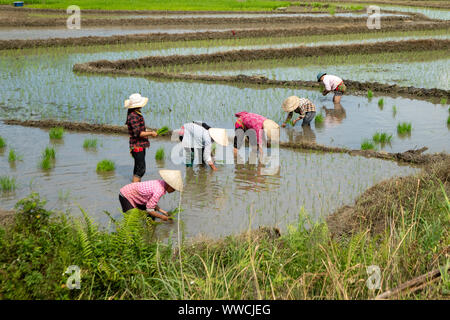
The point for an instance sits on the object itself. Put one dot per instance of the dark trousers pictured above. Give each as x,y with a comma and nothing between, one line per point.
139,163
308,118
126,205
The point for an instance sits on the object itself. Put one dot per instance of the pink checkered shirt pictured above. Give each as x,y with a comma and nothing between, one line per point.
252,121
144,193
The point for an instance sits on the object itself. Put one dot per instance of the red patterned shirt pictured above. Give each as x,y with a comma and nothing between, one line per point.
144,193
136,124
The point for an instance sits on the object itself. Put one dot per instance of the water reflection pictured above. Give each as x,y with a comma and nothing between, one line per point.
335,116
306,135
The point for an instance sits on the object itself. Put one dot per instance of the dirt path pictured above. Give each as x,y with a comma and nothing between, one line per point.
409,156
278,32
130,67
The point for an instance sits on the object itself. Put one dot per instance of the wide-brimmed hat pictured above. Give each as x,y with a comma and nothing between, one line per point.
219,135
270,125
291,103
319,75
172,178
135,101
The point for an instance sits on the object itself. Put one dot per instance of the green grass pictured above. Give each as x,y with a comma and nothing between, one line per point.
7,183
306,261
318,120
2,142
159,155
105,166
404,128
367,145
12,156
56,133
162,131
171,5
382,137
49,152
443,101
90,143
46,163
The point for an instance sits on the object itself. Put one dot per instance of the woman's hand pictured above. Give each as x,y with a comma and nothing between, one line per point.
284,124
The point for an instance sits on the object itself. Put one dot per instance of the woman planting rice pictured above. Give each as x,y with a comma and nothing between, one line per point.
332,83
198,136
145,195
304,107
258,124
138,133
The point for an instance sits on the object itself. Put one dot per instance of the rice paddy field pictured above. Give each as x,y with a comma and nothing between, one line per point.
191,59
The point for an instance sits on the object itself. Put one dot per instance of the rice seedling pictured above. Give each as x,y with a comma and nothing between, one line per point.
7,183
56,133
394,111
2,142
370,94
162,131
448,120
381,103
367,145
404,128
49,152
13,156
318,120
443,101
159,155
46,163
382,137
90,143
105,166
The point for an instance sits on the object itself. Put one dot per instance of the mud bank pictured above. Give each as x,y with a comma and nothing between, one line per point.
425,4
393,195
129,67
409,156
304,30
76,126
14,21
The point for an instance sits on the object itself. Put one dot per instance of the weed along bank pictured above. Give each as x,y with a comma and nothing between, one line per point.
204,152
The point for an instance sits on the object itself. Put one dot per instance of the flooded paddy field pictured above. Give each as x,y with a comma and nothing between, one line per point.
423,69
215,203
40,84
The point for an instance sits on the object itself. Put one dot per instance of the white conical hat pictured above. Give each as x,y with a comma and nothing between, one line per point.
172,178
270,125
291,103
219,135
135,101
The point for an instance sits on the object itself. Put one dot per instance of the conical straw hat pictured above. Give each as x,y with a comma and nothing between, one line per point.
270,125
172,178
291,103
219,135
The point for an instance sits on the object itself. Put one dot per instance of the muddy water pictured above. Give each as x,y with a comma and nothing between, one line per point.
430,74
57,32
214,203
44,86
440,14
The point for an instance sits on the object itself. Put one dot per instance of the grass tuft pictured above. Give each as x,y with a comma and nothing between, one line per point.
381,103
7,183
12,156
56,133
318,119
382,137
90,143
105,166
159,155
370,94
367,145
2,142
404,128
443,101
